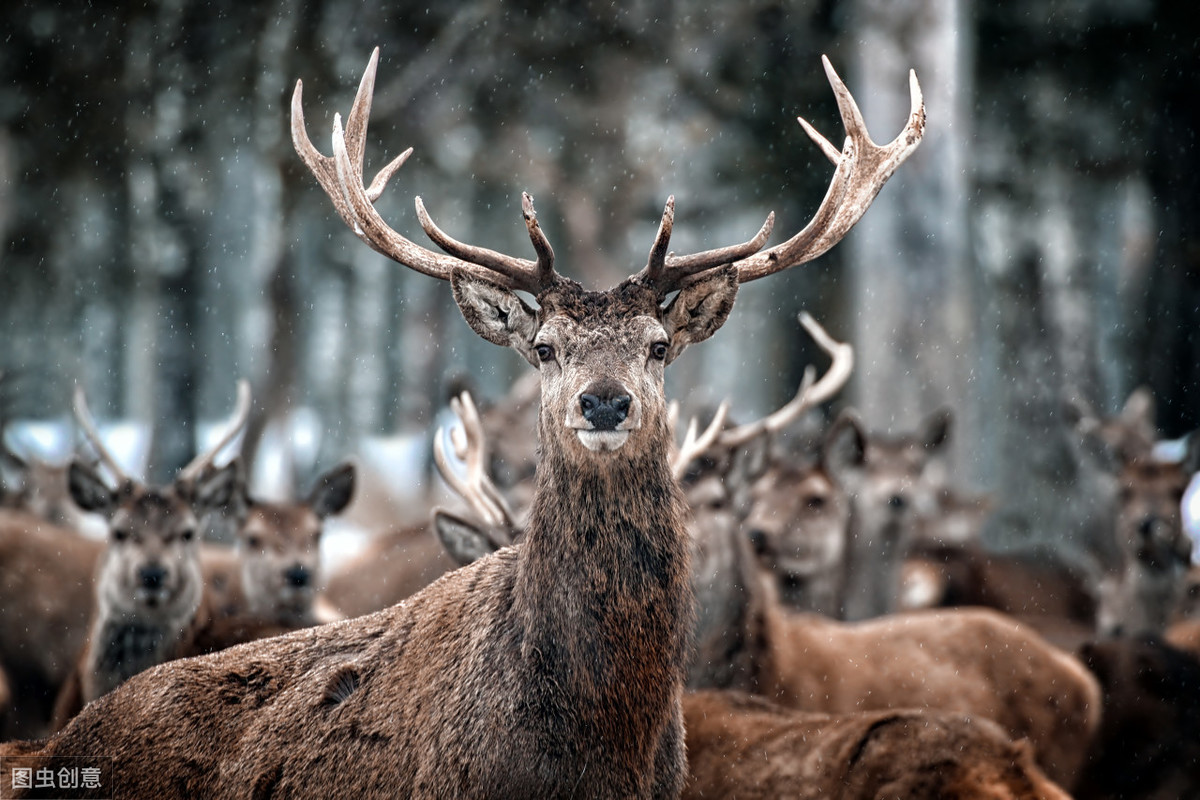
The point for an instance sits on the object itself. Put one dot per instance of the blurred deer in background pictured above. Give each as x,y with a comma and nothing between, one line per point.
885,478
568,649
149,584
274,571
1146,587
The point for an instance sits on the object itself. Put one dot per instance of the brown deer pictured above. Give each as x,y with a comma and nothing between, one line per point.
148,586
885,478
1151,584
742,746
567,649
274,571
794,516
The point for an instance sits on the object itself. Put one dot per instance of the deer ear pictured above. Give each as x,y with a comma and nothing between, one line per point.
935,429
88,489
845,445
464,541
495,313
699,310
220,488
334,491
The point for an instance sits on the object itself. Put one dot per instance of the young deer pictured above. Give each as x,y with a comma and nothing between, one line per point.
273,572
568,649
885,479
148,584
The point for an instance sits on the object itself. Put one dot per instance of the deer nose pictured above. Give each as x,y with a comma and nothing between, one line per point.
897,502
297,575
152,576
604,412
1148,525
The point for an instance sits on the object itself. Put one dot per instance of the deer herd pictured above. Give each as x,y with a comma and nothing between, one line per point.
620,605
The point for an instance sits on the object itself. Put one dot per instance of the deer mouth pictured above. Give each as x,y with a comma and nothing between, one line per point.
602,441
154,598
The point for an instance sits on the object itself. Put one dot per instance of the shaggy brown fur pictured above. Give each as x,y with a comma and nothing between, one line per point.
743,747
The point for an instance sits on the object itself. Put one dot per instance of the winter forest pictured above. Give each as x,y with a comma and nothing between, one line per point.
162,239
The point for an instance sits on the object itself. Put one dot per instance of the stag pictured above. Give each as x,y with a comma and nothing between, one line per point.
568,649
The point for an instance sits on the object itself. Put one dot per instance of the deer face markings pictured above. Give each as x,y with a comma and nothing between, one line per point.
150,566
600,382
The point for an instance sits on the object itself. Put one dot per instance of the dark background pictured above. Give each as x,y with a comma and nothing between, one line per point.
160,238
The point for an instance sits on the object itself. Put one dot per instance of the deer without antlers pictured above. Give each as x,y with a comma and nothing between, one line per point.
568,648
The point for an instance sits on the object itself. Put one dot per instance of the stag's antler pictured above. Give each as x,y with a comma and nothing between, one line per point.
811,393
341,176
88,424
862,169
470,446
198,464
241,414
694,445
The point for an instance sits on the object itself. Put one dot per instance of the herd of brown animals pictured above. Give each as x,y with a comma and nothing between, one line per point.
782,608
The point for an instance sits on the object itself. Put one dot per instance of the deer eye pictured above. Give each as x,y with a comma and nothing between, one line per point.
658,351
253,542
816,502
120,534
545,353
188,534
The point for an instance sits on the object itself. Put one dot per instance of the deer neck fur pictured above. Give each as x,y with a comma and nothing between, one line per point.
603,585
124,641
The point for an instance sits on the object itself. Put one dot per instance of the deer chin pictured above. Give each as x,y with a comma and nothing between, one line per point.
602,441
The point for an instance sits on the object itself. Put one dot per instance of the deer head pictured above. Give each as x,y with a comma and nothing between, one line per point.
601,354
889,494
280,548
151,565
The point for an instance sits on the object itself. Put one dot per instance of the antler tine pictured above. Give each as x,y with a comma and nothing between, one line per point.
662,240
241,414
694,445
811,392
471,447
456,484
88,424
341,176
863,167
521,274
